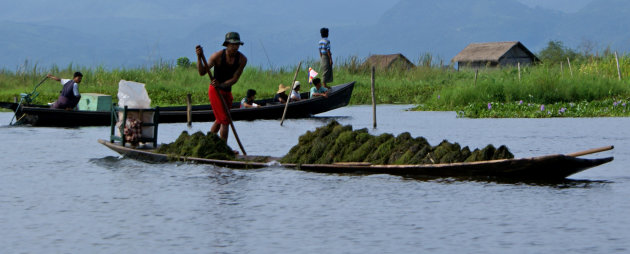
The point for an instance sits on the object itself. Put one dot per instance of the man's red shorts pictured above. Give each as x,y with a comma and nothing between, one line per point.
217,107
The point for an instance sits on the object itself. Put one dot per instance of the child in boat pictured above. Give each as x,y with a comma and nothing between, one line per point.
248,101
318,90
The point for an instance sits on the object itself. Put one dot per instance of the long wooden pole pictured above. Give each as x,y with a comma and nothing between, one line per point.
519,71
476,73
225,106
373,99
570,69
286,104
189,110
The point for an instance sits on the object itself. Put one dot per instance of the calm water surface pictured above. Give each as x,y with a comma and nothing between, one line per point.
62,192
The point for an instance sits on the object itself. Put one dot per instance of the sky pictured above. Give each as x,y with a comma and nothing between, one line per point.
167,28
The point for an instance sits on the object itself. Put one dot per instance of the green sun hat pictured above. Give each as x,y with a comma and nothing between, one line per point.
232,38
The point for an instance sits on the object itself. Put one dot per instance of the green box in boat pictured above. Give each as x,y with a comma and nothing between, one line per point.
95,102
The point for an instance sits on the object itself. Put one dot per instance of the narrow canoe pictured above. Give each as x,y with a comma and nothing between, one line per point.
45,116
548,167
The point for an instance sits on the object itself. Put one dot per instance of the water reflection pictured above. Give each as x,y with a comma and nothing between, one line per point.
559,183
226,176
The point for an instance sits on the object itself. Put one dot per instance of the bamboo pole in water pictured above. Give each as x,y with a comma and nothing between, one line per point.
286,104
519,71
570,69
189,110
373,99
476,73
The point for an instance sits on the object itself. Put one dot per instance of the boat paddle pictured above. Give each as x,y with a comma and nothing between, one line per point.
286,105
28,98
225,106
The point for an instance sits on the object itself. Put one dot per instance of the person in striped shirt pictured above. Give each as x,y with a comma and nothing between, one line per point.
326,63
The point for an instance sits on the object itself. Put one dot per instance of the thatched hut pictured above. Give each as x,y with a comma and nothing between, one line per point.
386,62
494,54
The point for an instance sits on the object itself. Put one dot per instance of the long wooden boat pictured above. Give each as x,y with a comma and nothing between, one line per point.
40,115
548,167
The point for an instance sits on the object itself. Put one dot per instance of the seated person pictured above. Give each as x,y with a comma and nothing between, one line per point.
281,95
248,102
318,90
295,93
69,96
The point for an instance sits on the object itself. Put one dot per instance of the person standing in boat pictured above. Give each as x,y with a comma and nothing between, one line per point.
69,96
326,63
228,65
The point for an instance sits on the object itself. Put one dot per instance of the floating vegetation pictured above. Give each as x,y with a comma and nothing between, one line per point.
337,143
208,146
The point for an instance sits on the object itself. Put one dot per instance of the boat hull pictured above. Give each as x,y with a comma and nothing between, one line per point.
549,167
45,116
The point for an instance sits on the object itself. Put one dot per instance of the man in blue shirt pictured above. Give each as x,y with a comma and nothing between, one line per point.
326,63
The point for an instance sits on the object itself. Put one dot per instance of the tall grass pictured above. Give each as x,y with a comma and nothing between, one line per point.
542,84
429,86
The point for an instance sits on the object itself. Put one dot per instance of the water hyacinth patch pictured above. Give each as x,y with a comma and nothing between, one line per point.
489,106
531,110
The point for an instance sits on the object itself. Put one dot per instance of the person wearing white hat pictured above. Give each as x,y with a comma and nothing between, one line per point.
295,93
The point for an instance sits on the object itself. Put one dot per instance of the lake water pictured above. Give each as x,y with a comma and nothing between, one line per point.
62,192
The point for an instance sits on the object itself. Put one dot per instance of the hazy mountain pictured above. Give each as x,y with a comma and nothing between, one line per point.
444,28
567,6
129,33
602,22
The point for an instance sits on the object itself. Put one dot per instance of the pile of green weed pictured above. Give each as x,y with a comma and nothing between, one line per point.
198,145
336,143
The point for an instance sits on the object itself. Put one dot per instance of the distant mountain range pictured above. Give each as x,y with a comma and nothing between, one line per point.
119,33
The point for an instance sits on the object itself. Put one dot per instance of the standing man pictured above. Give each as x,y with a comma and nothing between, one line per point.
325,56
228,66
69,96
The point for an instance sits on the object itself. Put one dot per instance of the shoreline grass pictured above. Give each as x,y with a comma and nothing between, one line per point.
590,89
